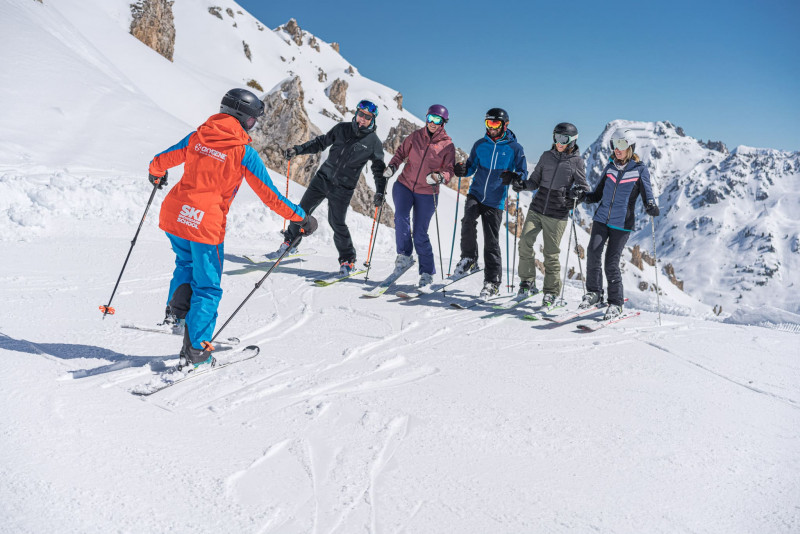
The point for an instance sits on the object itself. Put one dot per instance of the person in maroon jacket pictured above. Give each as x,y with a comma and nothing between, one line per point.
429,155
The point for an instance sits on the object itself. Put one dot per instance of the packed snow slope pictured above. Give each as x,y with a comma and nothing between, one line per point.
358,415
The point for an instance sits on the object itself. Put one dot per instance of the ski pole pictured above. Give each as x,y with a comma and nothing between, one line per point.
508,252
455,224
575,233
258,284
516,231
566,264
107,309
436,215
371,233
655,258
288,163
378,215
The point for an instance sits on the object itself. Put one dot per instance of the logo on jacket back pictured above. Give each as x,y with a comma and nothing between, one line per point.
190,216
207,151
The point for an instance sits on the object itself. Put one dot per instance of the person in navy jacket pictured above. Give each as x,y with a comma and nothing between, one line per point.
495,160
624,179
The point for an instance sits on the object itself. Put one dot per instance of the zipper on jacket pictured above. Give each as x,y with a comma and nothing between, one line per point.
614,194
552,182
421,161
491,168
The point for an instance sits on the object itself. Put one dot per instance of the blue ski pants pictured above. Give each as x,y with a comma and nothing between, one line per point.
410,237
195,288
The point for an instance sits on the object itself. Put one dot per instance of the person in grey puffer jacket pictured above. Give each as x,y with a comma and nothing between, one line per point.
559,180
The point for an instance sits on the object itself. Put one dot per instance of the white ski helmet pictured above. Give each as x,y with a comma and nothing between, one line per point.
622,138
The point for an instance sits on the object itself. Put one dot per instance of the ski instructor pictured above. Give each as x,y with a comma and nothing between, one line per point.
216,156
352,145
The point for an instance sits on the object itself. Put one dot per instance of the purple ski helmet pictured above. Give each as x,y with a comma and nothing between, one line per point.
438,109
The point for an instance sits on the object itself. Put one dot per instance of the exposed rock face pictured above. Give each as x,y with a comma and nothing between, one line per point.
215,10
229,11
294,31
247,51
322,76
399,99
335,46
362,202
670,270
285,124
397,135
154,25
313,43
337,92
636,257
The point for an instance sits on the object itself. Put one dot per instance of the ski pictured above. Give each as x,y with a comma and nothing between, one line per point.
384,286
173,376
542,312
337,278
477,301
579,312
516,301
258,259
231,341
591,326
573,314
433,288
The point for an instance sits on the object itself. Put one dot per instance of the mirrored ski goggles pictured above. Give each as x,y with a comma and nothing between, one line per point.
493,125
364,115
366,105
562,139
620,144
435,119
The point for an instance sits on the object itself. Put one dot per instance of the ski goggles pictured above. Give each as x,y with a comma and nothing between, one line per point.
562,139
435,119
368,106
620,144
364,115
493,124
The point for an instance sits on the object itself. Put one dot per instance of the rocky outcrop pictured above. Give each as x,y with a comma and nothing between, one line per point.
397,135
215,10
285,124
293,30
337,92
247,51
313,43
399,99
335,46
154,25
362,202
670,270
636,257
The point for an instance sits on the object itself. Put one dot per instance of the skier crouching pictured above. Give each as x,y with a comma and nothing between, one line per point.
216,157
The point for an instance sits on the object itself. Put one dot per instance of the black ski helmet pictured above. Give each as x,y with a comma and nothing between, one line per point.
565,129
497,114
243,105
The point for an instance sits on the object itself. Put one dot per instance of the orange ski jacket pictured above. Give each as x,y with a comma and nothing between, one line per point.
216,156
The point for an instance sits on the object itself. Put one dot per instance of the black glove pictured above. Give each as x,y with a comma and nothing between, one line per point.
576,193
161,182
518,184
309,225
651,209
508,176
460,169
289,153
377,200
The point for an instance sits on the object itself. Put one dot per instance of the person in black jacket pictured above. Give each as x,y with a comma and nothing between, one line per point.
559,178
352,145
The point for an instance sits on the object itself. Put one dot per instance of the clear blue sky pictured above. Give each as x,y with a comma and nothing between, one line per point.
726,71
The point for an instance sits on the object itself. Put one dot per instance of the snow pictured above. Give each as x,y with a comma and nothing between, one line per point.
359,415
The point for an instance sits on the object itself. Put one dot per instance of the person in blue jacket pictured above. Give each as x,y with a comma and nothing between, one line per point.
495,160
624,179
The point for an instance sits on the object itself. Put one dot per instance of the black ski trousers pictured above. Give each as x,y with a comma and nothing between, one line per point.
616,239
338,197
491,218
